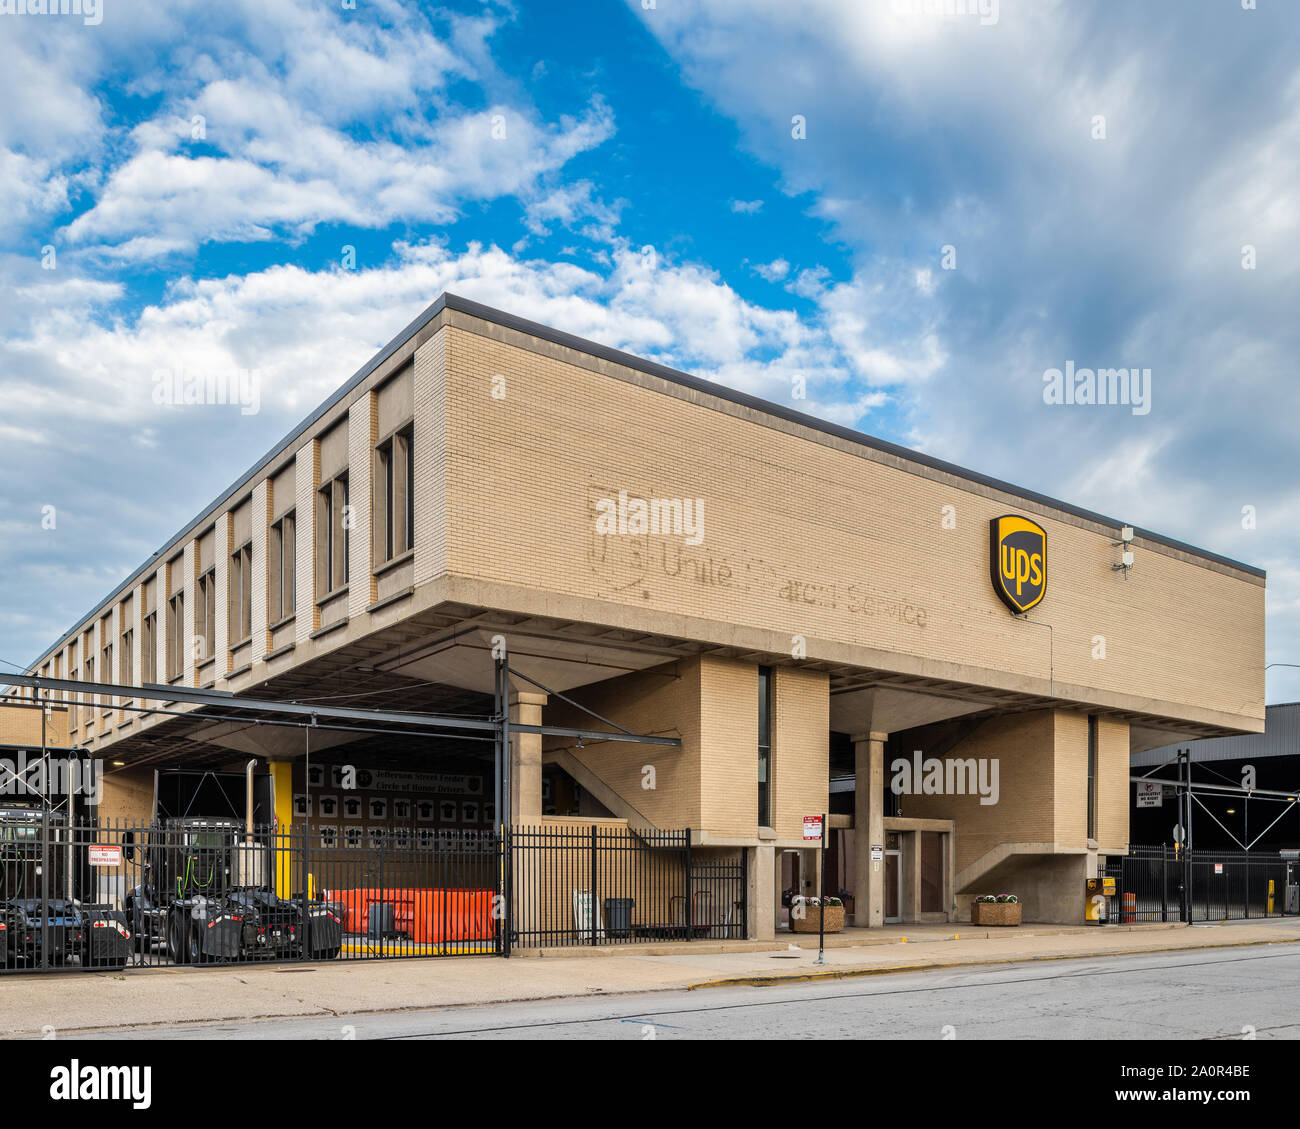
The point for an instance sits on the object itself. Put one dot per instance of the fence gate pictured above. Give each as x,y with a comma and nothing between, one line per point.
1152,884
611,884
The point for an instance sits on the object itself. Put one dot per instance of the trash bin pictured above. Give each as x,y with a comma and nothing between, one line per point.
381,920
618,917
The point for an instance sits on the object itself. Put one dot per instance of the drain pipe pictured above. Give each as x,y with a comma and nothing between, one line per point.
248,801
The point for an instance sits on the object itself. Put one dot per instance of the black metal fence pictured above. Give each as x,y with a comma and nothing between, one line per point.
195,891
643,886
1163,884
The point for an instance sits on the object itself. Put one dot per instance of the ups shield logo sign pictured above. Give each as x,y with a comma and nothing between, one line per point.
1018,561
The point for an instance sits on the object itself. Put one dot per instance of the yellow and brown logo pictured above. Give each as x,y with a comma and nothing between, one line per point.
1018,561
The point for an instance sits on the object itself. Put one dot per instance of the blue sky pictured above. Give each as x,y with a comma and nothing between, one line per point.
629,173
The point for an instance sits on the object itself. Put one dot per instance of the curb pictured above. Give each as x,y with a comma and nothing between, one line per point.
930,966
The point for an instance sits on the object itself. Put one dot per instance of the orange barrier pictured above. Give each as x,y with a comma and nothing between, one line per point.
453,915
1129,913
421,914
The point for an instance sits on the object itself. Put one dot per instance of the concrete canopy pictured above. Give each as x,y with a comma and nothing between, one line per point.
275,742
465,660
878,709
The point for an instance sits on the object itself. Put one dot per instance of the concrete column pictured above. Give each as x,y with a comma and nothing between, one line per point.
306,483
282,795
526,758
259,525
220,645
190,587
760,911
430,454
161,618
363,433
868,829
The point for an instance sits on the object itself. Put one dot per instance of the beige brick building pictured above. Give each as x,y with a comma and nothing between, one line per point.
806,608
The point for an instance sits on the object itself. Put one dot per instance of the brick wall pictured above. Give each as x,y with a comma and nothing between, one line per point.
837,544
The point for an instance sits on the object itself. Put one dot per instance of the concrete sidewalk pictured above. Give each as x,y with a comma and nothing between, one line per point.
68,1004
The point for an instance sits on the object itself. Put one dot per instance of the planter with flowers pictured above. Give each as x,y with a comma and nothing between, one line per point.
995,909
805,914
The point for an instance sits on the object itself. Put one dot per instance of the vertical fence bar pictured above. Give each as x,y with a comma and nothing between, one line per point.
592,918
690,896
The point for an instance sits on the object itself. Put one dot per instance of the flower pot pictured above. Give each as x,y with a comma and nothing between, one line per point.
811,920
995,913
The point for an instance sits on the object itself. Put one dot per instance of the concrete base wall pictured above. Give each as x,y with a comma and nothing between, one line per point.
1050,887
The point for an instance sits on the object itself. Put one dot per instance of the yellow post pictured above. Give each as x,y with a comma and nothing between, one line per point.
282,791
1270,895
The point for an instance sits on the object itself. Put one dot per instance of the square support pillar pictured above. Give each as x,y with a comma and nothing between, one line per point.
868,829
526,758
760,910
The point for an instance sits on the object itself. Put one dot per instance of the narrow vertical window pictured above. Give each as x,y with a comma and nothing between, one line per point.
205,615
332,546
1092,776
149,648
126,658
288,567
175,636
394,508
765,746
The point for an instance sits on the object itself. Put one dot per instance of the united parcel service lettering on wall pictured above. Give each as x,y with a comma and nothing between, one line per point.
1018,561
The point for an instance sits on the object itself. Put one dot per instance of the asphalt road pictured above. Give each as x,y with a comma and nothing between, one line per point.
1208,994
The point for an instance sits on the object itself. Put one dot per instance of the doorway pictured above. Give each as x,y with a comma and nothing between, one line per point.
893,879
790,883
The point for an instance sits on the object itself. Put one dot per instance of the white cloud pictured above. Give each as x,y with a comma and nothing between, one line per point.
774,271
307,118
928,133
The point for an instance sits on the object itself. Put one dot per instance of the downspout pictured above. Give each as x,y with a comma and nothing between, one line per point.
248,801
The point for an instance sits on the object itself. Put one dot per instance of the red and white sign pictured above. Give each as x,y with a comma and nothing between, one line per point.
1218,868
105,856
812,826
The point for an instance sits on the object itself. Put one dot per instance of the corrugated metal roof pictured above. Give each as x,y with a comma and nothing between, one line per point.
1281,738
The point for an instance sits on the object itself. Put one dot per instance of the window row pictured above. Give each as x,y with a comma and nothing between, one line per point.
393,532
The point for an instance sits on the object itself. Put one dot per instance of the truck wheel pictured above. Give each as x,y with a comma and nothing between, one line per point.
176,940
195,943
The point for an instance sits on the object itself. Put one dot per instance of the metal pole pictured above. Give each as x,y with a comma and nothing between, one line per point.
1185,769
821,899
69,882
1164,883
45,853
690,902
503,812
